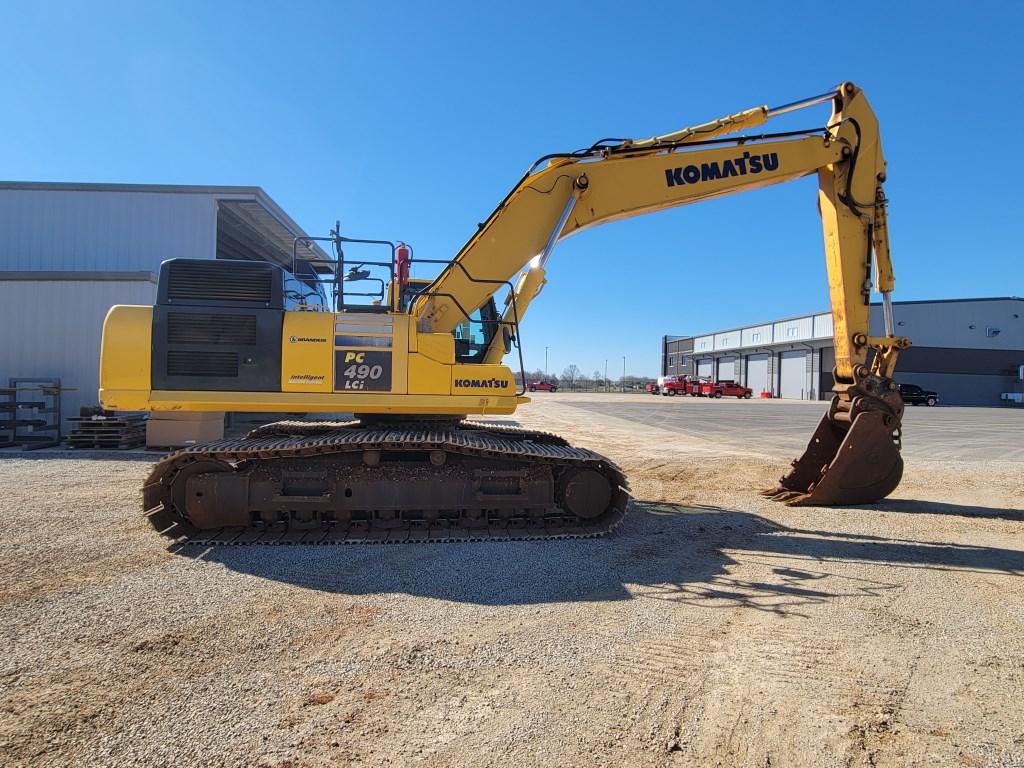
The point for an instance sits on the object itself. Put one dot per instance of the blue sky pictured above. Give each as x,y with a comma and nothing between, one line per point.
411,121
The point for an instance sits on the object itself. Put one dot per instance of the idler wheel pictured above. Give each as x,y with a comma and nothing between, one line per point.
205,502
585,493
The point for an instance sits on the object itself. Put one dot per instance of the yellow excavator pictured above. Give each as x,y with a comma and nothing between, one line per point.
413,358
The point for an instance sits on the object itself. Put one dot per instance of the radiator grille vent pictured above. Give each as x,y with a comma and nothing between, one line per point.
182,363
220,282
197,328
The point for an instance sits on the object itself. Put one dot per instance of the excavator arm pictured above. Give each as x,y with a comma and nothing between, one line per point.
853,456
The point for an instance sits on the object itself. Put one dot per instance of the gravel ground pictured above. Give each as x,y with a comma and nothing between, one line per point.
713,628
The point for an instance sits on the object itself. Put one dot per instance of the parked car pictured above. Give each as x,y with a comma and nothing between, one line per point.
543,386
727,387
914,395
730,388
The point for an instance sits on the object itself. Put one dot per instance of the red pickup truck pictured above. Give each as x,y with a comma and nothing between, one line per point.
543,386
725,388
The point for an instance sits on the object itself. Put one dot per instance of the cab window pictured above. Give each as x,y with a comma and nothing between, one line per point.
473,336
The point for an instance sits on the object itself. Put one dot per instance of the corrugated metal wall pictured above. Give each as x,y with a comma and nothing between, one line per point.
727,340
794,330
986,324
78,230
758,334
53,328
704,344
823,327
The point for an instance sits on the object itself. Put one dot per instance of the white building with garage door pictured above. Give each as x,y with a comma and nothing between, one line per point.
970,351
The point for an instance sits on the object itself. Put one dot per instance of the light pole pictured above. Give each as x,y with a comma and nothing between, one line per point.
605,375
623,373
545,363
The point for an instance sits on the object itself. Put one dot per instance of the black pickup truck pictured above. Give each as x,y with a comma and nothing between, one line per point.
914,395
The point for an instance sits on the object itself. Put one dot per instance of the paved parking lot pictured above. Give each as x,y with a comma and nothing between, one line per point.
769,427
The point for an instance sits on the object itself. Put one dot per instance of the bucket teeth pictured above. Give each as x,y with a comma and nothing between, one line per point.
782,495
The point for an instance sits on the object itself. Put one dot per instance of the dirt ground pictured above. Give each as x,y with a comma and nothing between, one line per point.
713,628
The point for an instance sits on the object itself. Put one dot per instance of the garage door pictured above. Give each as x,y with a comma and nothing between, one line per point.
757,373
828,363
793,375
727,369
706,368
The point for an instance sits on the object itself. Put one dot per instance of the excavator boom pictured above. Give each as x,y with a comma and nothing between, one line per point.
607,183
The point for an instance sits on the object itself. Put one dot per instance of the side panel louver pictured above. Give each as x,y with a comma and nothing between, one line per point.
201,328
200,282
193,363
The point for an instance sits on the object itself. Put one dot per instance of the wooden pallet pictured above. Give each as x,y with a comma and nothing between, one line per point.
106,422
107,432
115,445
100,431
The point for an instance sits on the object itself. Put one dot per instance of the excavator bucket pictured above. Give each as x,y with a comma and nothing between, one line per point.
845,466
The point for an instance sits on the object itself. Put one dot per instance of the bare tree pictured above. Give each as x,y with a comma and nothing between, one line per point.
571,374
599,377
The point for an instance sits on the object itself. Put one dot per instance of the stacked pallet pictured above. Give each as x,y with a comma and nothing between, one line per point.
110,432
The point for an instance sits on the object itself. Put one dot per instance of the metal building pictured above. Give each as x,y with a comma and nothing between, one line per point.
968,350
68,252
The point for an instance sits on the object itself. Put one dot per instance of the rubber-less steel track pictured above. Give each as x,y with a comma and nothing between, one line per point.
449,458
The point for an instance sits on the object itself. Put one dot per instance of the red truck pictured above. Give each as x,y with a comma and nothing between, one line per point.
678,385
725,388
543,386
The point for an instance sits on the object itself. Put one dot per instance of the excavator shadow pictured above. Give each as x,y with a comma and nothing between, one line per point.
912,506
704,556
